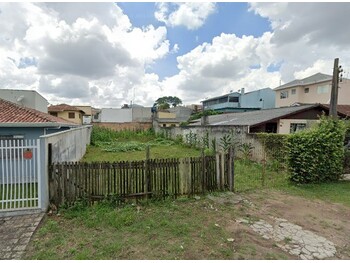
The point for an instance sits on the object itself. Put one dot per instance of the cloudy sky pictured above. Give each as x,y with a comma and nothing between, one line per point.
108,54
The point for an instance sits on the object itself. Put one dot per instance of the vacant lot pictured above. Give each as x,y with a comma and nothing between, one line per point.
204,228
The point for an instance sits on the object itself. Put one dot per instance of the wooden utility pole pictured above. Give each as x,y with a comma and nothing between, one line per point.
334,91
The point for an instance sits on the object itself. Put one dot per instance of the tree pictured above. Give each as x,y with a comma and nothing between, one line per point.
167,101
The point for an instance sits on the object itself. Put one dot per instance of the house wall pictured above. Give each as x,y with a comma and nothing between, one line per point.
313,96
31,98
116,115
263,98
166,115
284,124
239,133
87,116
86,109
78,117
142,114
67,146
30,132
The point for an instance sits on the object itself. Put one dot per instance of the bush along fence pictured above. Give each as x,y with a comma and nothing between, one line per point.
150,178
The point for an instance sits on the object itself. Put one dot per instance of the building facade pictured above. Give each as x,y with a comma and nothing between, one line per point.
241,101
27,98
313,89
67,112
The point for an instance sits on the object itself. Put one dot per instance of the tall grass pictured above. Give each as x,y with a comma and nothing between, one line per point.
102,134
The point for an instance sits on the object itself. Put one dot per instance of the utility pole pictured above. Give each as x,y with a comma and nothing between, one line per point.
335,86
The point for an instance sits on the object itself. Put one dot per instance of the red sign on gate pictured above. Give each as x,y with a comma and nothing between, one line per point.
28,154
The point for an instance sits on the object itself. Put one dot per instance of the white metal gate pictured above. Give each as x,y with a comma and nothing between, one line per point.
19,174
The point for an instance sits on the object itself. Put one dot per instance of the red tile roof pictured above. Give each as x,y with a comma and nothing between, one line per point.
13,113
344,109
62,107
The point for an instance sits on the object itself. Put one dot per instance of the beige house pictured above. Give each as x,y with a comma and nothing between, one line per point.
173,117
313,89
67,112
87,116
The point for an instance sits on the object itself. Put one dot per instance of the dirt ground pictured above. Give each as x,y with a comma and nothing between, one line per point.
328,220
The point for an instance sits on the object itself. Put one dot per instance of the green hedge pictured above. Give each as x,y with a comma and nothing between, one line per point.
275,146
317,155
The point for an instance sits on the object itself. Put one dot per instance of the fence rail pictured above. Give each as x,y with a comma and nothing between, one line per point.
156,178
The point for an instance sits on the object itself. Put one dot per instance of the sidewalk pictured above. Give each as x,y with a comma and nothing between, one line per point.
15,233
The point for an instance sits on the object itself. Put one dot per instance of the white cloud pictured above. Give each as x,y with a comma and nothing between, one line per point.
91,53
191,15
227,63
324,66
306,37
87,53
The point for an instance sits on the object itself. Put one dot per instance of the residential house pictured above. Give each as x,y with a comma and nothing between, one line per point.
172,117
242,101
19,122
67,112
28,98
87,115
283,120
313,89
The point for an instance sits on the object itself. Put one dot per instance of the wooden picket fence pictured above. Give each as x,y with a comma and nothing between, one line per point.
153,178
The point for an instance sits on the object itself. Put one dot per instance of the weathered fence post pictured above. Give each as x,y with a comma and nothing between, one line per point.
222,180
147,172
230,169
217,158
263,172
203,172
264,164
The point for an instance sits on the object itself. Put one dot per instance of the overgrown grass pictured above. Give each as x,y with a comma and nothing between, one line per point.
111,146
97,154
101,134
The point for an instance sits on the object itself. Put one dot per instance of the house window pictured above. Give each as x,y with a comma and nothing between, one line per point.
53,114
233,99
295,127
164,125
323,89
306,90
71,115
294,91
222,100
96,116
284,94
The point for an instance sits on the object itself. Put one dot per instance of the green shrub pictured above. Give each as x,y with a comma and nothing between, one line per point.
317,155
101,134
347,161
203,113
275,146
